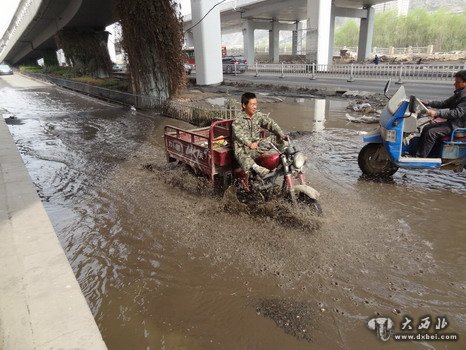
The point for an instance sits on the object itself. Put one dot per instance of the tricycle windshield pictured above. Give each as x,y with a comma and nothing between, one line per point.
396,100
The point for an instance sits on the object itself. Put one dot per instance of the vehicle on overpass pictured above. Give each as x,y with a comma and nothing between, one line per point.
394,143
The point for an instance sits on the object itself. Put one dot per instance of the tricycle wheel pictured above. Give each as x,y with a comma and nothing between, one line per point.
374,161
312,203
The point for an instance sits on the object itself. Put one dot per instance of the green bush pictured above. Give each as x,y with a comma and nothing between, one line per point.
34,69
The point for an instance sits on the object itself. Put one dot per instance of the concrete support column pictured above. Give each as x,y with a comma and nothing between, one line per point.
207,42
189,39
274,43
294,40
331,33
87,50
318,31
248,42
300,37
366,31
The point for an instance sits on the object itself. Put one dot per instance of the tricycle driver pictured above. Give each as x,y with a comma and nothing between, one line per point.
451,114
247,143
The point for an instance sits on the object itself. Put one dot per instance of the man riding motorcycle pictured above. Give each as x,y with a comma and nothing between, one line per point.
452,111
247,143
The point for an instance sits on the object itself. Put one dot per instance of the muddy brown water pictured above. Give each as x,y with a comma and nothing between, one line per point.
164,266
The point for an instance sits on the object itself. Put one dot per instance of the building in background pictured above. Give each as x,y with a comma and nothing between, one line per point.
402,6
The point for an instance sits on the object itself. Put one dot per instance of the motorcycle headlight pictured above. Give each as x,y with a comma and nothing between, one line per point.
299,159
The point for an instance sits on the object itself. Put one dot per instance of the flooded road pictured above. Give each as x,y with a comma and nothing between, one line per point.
164,266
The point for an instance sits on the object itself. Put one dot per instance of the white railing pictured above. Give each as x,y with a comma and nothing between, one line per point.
353,71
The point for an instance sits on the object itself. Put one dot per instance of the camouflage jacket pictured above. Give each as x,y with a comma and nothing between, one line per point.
247,130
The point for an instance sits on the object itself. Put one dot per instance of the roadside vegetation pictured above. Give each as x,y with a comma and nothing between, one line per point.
114,83
419,28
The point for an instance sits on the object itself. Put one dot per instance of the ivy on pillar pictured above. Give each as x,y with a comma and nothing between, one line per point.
28,61
86,50
152,37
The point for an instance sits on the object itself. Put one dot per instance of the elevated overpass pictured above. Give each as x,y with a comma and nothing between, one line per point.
32,29
31,33
246,16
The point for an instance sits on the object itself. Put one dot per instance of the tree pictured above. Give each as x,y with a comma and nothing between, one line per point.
441,28
347,34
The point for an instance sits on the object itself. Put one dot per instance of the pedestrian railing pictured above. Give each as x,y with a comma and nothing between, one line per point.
197,114
353,71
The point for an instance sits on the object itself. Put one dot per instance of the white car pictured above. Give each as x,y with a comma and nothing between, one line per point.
5,69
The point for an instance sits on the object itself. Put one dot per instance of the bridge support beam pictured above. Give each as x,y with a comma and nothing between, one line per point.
318,31
87,50
274,43
366,31
331,33
294,40
248,41
189,39
207,42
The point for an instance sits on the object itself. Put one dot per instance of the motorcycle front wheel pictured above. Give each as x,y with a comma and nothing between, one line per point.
311,203
374,161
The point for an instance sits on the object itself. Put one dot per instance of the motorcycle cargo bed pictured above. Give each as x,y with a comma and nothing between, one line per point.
223,156
207,150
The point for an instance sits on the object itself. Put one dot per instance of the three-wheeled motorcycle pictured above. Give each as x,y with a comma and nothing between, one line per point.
208,151
393,144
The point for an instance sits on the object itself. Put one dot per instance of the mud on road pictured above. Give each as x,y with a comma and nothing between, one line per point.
164,265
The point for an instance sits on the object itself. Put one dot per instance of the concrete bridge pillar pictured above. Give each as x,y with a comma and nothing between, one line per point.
87,50
248,41
207,42
294,40
318,31
189,39
331,33
366,31
274,42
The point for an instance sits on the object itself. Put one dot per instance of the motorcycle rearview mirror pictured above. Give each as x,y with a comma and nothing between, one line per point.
412,104
385,89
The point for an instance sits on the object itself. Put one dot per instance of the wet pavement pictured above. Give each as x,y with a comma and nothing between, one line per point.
163,265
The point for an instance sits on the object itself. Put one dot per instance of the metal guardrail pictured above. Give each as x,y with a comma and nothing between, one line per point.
353,71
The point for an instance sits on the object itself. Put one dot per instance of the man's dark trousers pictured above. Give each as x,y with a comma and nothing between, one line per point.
430,134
